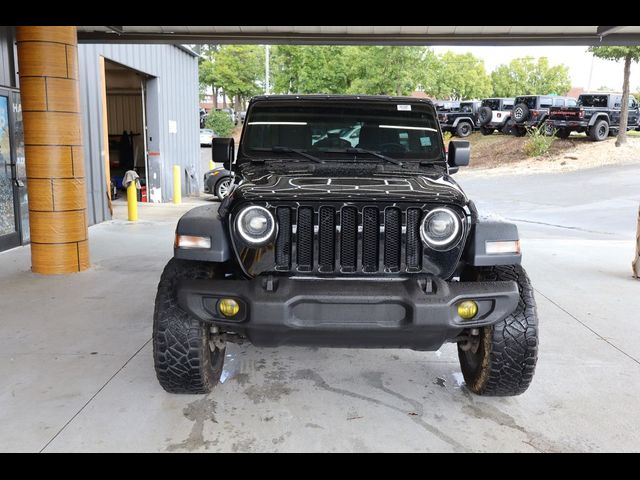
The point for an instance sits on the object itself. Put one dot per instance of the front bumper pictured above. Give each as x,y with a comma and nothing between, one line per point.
348,312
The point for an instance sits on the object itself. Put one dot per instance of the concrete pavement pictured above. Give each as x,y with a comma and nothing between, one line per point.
77,375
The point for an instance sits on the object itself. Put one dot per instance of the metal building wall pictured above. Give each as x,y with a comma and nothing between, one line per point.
8,77
171,96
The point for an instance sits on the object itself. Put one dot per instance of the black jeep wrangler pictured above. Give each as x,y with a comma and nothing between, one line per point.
597,114
460,121
494,114
531,111
321,243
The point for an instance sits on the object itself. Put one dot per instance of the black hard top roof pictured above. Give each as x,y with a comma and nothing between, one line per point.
329,98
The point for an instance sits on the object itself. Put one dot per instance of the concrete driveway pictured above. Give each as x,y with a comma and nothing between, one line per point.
76,372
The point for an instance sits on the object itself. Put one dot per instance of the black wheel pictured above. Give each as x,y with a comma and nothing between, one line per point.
223,187
599,131
563,133
484,115
501,360
519,131
520,113
464,129
185,356
487,130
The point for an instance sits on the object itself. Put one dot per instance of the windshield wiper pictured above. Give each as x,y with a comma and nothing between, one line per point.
302,153
375,154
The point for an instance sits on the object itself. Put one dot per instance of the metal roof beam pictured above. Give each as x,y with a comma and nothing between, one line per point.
603,31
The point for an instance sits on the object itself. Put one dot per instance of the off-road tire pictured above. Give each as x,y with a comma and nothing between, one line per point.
520,107
484,115
487,130
464,129
505,360
563,133
518,131
599,131
185,360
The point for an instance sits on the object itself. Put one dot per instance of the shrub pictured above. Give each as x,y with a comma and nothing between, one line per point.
220,122
538,143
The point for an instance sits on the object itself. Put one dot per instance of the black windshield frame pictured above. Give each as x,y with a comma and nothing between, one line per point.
416,120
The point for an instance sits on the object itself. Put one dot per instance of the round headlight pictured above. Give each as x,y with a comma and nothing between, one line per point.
440,229
255,225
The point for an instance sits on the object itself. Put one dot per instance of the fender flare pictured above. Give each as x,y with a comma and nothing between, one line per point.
595,117
204,221
490,230
466,119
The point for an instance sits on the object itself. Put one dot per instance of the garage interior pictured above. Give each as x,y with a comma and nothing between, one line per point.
78,374
126,124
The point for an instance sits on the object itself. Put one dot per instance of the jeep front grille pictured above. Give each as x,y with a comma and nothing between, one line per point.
348,239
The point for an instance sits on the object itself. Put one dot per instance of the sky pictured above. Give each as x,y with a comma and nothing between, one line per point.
579,61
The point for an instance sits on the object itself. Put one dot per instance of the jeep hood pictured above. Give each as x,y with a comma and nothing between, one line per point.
435,188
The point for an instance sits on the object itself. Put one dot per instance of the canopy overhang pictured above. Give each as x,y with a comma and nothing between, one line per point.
366,35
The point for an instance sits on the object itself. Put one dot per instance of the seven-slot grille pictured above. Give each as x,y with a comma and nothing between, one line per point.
348,239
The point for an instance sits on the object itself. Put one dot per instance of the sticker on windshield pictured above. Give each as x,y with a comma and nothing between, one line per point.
406,108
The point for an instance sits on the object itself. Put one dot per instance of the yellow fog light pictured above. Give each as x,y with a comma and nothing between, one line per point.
228,307
467,309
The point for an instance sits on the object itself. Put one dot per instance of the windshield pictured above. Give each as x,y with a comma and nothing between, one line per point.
330,129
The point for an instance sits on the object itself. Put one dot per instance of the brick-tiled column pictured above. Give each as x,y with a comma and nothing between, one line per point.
47,63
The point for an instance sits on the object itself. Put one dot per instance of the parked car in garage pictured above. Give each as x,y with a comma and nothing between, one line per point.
218,182
331,245
206,137
494,114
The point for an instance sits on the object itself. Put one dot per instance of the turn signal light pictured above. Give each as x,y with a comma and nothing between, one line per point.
192,241
228,307
467,309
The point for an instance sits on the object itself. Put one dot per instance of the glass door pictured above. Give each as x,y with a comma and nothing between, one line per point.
9,236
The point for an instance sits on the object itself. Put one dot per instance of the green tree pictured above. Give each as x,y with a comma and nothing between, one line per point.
309,69
220,122
384,70
628,54
525,76
456,77
206,71
239,71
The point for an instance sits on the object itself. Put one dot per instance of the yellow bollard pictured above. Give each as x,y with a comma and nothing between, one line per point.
132,201
177,185
211,165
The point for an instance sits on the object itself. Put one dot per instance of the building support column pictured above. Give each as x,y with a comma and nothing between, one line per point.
48,68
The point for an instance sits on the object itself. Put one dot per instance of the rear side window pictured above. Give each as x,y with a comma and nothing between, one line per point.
507,105
593,101
492,104
530,102
571,102
546,102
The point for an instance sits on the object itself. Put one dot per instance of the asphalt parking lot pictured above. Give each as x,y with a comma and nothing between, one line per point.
77,374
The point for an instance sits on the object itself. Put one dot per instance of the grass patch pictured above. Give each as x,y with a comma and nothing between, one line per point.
537,143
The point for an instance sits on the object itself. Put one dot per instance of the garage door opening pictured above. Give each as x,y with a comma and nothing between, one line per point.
126,127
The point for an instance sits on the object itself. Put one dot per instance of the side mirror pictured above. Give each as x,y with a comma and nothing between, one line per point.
222,151
458,155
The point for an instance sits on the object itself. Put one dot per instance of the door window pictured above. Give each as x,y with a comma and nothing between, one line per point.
7,213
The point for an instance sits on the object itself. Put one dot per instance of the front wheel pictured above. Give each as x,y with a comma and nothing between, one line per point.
187,358
519,131
500,359
487,130
563,133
